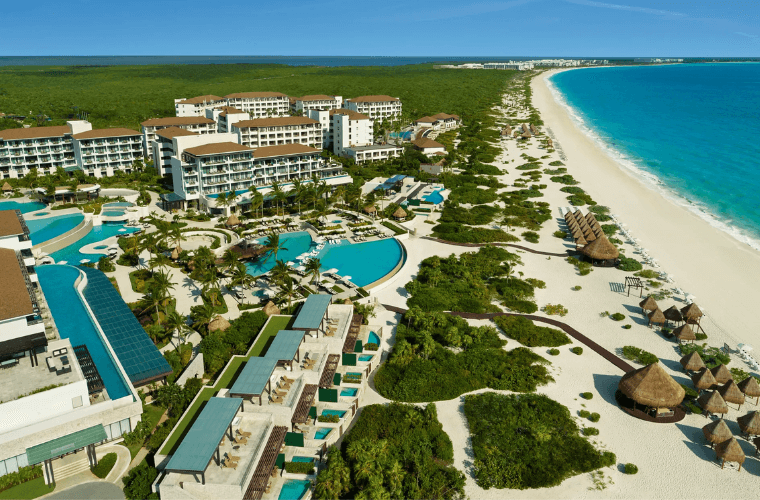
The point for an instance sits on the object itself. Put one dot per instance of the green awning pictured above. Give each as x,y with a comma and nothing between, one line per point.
280,461
294,439
336,379
328,395
313,412
349,359
65,444
358,346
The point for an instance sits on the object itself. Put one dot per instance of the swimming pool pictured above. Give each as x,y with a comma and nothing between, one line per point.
119,204
373,339
302,459
348,259
401,135
435,196
113,213
32,206
339,413
71,253
366,357
294,489
74,323
322,432
349,392
41,230
40,214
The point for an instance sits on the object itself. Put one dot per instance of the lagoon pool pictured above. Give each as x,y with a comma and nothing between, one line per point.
32,206
119,204
435,196
113,213
294,489
71,253
40,214
74,323
406,136
373,339
46,229
349,392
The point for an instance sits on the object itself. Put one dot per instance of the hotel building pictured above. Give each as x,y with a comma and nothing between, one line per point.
349,129
198,124
225,117
164,147
376,152
441,122
197,106
377,107
102,152
309,102
279,131
260,104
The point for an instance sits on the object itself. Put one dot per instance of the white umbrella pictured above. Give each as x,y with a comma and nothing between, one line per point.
84,261
291,263
330,271
122,230
346,278
269,293
301,269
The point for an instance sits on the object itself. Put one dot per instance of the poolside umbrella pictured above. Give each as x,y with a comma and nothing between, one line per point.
652,386
7,187
673,314
656,316
684,332
703,380
346,278
750,387
330,271
729,450
648,304
218,323
721,374
732,394
400,213
323,220
84,261
713,402
750,423
271,309
290,263
269,292
716,432
300,269
693,362
232,221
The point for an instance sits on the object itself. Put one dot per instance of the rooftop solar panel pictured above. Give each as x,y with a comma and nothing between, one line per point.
312,311
254,377
285,345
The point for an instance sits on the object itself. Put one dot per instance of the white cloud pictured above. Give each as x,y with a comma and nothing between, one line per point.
631,8
456,11
745,34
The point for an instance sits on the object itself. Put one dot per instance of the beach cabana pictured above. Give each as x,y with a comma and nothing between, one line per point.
652,387
704,380
693,362
7,188
673,314
399,214
175,253
730,451
648,304
750,388
313,313
601,252
577,233
692,314
218,323
580,241
656,316
732,394
750,423
716,432
370,210
721,374
713,402
271,309
232,221
684,333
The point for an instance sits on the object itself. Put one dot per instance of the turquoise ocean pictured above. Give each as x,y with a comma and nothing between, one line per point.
690,131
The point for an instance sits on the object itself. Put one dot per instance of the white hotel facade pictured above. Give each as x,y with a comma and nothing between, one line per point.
197,106
263,132
260,104
376,107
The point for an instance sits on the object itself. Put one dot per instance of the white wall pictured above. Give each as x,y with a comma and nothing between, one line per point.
42,406
12,242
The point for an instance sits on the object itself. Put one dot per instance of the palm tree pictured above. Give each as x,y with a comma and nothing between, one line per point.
313,268
240,276
232,198
229,260
257,199
288,289
276,192
160,260
177,323
280,272
299,189
202,315
281,198
273,245
175,236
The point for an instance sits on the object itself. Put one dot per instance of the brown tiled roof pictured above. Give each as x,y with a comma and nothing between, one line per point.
220,147
444,116
201,99
317,97
172,132
9,223
274,122
99,133
14,297
253,95
352,115
426,143
373,98
425,119
283,150
229,110
176,120
34,132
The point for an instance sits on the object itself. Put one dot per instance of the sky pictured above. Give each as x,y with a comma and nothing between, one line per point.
583,28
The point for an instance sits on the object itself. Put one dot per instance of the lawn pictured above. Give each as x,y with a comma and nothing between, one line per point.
275,324
30,489
151,416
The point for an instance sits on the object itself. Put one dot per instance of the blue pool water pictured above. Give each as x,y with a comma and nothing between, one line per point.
434,197
74,323
349,392
302,459
373,339
119,204
100,247
337,221
355,374
294,489
365,357
401,135
113,213
46,229
24,207
683,129
322,432
339,413
71,253
349,259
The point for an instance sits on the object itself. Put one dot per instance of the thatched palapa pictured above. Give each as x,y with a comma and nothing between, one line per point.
400,213
732,394
750,387
730,450
175,253
580,241
652,386
232,221
691,312
704,380
656,316
370,209
717,432
218,323
648,304
750,423
270,309
721,374
693,362
673,314
600,249
590,236
713,402
7,188
684,333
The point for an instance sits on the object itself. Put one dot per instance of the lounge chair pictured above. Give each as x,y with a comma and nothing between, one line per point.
229,464
233,458
280,393
241,440
244,433
309,364
288,380
277,399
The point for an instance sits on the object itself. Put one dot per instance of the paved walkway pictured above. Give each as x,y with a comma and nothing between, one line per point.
89,491
496,243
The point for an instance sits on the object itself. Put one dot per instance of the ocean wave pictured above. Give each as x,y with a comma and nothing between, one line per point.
633,166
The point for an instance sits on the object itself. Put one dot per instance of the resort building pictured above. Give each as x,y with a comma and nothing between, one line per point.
441,122
260,104
164,147
519,65
377,152
349,129
41,148
323,117
309,102
102,152
197,106
428,146
376,107
198,124
225,116
263,132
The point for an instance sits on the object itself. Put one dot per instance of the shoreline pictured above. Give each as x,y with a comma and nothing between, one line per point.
707,262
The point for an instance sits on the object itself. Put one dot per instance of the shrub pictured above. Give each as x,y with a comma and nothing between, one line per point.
332,419
628,264
630,468
530,236
639,355
459,233
370,346
590,431
712,356
584,413
594,417
587,395
560,234
128,259
554,352
105,265
137,484
580,199
618,316
528,334
599,209
105,465
552,309
21,476
564,179
577,288
299,467
648,273
577,350
556,163
627,327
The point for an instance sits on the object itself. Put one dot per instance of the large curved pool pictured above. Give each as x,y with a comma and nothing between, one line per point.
71,253
364,262
41,230
31,206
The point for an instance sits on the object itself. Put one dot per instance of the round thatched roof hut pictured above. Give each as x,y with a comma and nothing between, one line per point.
704,380
750,423
731,393
232,221
652,386
370,209
691,312
713,402
750,387
673,314
175,253
716,432
693,362
400,213
218,323
729,450
601,251
684,333
648,304
526,135
721,374
270,309
7,188
656,316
